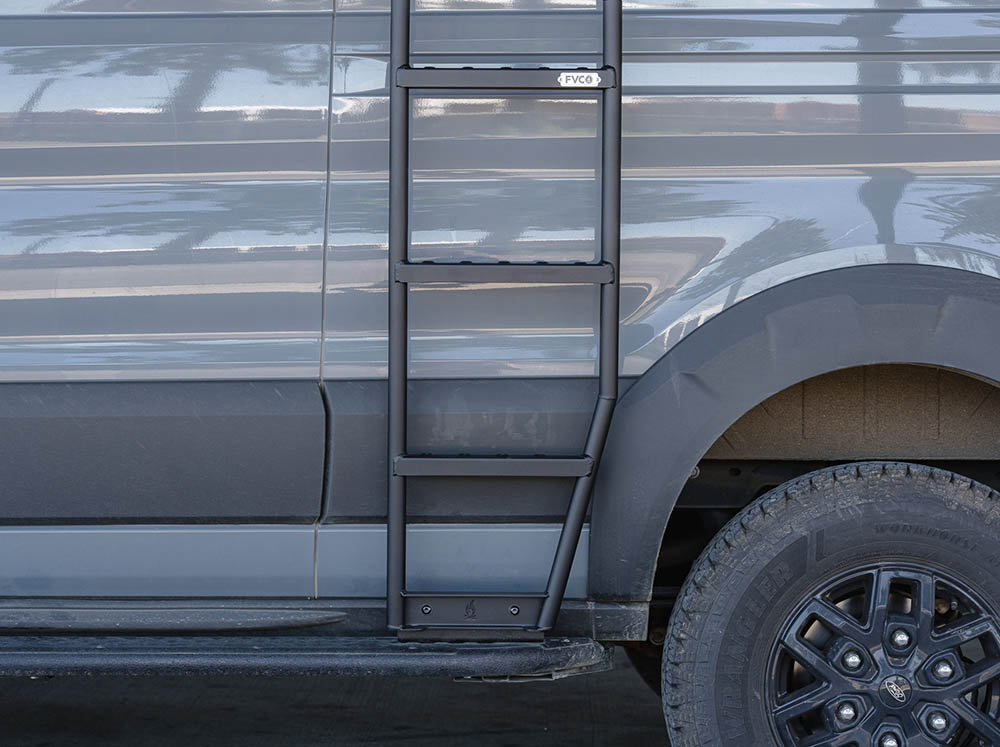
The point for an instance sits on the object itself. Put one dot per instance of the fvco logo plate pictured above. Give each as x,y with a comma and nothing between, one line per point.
579,80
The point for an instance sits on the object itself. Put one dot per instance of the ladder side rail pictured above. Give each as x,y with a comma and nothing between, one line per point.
611,135
398,328
611,202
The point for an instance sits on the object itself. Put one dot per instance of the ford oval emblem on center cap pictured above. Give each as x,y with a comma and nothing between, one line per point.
895,691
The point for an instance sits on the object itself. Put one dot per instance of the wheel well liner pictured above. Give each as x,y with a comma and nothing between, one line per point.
789,333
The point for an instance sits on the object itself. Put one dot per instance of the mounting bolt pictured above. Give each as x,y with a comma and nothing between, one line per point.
515,610
426,609
900,638
943,670
852,660
889,740
937,721
846,712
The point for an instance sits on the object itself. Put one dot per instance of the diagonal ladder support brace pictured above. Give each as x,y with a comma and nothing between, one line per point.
611,180
436,611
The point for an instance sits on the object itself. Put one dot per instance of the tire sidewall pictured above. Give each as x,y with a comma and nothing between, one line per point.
830,527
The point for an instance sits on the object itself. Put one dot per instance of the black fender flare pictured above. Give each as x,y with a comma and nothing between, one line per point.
676,410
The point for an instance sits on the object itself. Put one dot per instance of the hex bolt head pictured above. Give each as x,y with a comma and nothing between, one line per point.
846,712
852,660
426,609
515,610
900,638
889,740
937,721
943,670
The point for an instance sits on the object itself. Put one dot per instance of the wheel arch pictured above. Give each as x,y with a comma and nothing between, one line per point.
777,338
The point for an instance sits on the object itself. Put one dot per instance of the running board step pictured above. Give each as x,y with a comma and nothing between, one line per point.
470,466
509,78
578,273
141,616
274,655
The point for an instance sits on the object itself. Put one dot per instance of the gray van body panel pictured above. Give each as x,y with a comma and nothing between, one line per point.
165,171
758,147
195,194
162,192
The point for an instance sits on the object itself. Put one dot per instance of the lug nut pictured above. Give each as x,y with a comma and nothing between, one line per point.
937,721
943,670
900,638
847,712
852,660
889,740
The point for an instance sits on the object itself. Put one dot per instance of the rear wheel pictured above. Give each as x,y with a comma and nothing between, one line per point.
857,605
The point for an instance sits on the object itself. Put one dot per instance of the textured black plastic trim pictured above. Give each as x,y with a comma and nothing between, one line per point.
779,337
172,452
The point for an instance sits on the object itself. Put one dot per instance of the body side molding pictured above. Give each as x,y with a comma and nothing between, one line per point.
762,345
264,561
120,616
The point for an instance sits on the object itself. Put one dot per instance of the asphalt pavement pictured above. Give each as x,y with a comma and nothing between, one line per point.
611,708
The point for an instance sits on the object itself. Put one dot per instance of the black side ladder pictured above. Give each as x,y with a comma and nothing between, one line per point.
460,613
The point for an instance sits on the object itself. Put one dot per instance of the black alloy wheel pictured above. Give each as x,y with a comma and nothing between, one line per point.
887,656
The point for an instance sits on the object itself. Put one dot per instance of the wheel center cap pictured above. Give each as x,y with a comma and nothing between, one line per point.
895,691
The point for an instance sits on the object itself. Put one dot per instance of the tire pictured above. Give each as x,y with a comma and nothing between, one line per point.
744,623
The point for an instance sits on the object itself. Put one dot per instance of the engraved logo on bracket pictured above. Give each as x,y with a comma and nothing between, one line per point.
470,610
580,80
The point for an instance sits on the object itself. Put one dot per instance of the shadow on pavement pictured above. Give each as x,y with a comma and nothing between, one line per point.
612,708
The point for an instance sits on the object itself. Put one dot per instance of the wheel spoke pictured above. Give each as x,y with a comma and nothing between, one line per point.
857,735
924,601
979,674
836,619
800,703
878,605
982,724
956,635
813,660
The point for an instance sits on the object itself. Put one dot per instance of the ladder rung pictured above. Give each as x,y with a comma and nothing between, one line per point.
504,272
470,466
509,78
